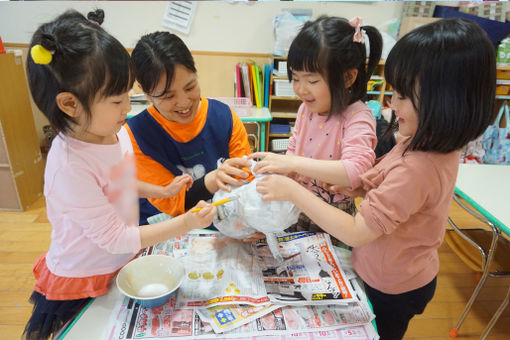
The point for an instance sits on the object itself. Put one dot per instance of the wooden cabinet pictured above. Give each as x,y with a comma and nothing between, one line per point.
283,105
21,163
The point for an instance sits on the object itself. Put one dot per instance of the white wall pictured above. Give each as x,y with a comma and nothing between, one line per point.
217,26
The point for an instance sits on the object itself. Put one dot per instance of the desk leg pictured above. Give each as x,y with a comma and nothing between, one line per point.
263,136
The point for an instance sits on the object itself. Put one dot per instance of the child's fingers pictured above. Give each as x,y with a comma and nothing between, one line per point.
207,211
201,204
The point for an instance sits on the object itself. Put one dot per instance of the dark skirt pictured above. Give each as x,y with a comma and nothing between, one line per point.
48,316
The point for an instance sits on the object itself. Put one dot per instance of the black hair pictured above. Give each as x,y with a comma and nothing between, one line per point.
326,46
156,54
97,16
86,61
448,70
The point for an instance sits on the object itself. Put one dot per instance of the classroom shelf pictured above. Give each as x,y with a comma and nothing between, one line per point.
280,135
287,115
284,98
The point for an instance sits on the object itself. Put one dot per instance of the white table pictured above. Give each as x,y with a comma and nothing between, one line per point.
487,189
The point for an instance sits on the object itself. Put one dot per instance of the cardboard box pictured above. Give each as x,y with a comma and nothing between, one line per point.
418,8
410,23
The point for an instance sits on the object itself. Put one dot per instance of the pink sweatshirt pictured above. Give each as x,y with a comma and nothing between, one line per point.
408,200
92,205
349,137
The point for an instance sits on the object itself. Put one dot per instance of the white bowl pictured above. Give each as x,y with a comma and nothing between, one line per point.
151,280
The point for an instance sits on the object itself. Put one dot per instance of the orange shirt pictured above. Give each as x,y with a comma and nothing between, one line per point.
153,172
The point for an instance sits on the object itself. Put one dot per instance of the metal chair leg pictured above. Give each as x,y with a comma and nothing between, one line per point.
486,263
496,316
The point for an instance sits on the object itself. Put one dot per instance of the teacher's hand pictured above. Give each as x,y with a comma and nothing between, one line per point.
231,172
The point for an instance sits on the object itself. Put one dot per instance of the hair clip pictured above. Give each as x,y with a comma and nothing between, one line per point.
359,34
41,55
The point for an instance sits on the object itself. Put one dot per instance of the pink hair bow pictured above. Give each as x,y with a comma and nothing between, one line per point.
358,36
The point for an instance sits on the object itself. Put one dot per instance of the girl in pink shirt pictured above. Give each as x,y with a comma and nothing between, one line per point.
444,77
335,133
79,77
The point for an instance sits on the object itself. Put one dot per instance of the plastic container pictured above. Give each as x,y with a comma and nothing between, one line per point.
151,280
240,105
283,88
279,144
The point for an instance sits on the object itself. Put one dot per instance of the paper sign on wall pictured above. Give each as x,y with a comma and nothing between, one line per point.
179,15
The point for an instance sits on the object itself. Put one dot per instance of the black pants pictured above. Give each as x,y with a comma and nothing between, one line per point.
394,311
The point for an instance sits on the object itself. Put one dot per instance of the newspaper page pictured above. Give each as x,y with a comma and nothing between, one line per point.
129,321
225,318
219,270
309,274
196,316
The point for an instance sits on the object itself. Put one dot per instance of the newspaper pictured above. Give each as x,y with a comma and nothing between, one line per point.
219,271
309,274
130,321
204,308
225,318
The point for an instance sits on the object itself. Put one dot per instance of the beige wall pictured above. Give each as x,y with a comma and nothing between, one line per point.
222,33
226,26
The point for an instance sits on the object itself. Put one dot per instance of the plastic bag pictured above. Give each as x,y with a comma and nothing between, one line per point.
496,140
286,27
389,31
247,214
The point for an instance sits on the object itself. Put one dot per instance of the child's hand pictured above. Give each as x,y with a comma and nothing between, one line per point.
199,219
276,188
273,163
176,185
337,189
230,168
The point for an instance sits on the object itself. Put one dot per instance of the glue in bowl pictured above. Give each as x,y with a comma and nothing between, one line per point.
151,280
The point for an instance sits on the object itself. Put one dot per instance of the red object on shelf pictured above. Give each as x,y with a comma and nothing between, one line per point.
2,49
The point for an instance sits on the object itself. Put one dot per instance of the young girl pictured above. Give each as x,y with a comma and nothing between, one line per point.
79,77
335,133
182,132
443,97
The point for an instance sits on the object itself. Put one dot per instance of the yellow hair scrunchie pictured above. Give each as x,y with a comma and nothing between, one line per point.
40,55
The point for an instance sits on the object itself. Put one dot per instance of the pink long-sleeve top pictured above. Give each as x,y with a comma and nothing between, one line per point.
349,137
407,201
91,201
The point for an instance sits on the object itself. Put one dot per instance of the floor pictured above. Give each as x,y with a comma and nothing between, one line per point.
25,235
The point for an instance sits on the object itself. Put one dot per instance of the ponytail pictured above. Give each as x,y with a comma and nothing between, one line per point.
375,52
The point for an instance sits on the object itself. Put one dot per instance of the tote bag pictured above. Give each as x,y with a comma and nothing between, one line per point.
496,140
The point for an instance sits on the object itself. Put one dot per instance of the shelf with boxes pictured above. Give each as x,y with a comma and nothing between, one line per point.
283,104
377,88
503,82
